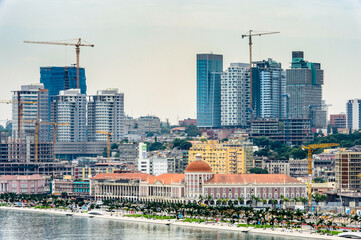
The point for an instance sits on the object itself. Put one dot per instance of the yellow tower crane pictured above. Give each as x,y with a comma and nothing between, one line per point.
20,113
77,45
310,149
108,142
251,34
54,125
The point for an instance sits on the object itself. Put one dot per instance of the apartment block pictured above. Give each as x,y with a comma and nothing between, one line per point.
353,111
32,103
230,157
348,170
235,96
106,113
148,124
338,120
69,108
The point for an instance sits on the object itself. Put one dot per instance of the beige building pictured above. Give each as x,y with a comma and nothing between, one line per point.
348,170
233,156
276,166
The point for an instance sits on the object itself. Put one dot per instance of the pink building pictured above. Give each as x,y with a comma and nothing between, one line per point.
32,184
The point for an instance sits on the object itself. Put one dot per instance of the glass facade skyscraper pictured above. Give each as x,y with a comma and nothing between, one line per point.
269,85
57,79
304,87
209,70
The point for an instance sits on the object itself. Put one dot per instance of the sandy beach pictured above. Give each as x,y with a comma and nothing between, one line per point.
213,226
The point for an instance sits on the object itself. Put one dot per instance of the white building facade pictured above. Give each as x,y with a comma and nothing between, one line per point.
235,95
353,120
70,109
153,166
106,113
33,101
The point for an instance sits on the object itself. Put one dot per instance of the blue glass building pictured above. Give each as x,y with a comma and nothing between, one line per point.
209,70
56,79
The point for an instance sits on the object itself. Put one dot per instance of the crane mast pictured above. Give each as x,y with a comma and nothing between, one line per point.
310,149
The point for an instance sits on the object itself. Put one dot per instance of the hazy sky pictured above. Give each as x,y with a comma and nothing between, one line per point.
148,49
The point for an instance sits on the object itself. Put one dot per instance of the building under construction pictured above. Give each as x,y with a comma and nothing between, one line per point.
19,158
288,131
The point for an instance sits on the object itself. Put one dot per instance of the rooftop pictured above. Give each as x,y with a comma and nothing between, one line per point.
252,178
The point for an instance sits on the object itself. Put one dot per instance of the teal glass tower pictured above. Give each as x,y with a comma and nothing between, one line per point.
209,70
57,79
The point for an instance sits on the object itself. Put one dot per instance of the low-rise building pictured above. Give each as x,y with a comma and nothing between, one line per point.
298,168
31,184
153,166
71,188
276,166
198,183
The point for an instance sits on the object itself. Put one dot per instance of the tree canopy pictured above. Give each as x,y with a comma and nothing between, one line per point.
258,171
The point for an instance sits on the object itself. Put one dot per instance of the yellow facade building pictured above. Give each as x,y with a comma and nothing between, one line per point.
231,157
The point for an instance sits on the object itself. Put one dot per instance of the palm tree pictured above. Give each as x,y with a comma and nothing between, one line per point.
240,200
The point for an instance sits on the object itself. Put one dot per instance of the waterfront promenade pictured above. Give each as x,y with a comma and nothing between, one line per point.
212,226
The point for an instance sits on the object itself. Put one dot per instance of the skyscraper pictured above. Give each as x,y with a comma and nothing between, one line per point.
269,87
35,106
304,86
209,70
235,95
56,79
70,108
353,112
106,113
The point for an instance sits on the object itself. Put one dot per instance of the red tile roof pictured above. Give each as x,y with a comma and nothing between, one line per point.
168,178
198,166
252,178
115,176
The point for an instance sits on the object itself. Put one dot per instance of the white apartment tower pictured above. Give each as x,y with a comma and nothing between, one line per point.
106,113
32,104
235,95
353,112
70,113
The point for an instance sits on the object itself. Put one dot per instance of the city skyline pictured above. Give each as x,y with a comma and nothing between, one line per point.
162,39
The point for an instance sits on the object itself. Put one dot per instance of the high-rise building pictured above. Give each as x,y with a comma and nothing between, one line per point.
269,89
338,120
232,157
235,95
69,108
34,101
106,113
56,79
353,111
209,70
304,87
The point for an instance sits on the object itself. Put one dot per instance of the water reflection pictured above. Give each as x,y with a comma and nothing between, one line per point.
16,225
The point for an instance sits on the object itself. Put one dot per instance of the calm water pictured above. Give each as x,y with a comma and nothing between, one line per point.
27,225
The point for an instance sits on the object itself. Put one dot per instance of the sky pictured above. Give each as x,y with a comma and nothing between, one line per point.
147,48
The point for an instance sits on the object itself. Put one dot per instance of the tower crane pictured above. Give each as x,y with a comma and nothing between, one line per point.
77,45
310,149
20,112
37,124
108,142
54,125
251,34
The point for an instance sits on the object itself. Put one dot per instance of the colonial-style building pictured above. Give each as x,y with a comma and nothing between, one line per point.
198,183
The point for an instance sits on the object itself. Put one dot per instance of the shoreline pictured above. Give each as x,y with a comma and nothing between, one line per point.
219,227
